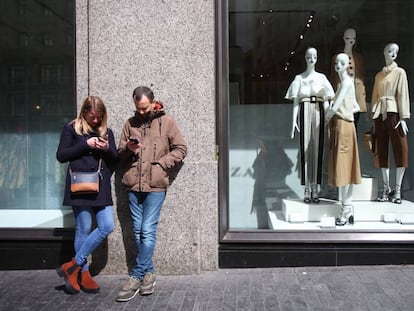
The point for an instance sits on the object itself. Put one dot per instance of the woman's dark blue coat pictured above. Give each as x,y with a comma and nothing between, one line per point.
74,149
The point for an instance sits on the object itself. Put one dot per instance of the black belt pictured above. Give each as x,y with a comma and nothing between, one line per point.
312,99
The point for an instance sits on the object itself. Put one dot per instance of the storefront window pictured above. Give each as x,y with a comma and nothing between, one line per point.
36,98
267,42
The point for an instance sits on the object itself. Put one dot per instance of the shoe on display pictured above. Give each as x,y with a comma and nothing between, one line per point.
307,196
386,195
397,198
347,216
314,195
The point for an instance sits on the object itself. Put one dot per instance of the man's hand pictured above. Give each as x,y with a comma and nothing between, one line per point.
132,146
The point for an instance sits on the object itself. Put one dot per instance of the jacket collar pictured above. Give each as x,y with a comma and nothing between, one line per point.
389,68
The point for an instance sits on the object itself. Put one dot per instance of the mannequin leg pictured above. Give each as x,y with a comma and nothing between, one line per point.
316,129
347,211
347,194
315,197
386,183
398,182
306,146
307,195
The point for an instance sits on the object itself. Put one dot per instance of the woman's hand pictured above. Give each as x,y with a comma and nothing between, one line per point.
103,143
98,143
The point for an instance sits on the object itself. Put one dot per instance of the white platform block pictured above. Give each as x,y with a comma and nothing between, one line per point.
297,209
406,218
297,217
390,217
367,190
327,222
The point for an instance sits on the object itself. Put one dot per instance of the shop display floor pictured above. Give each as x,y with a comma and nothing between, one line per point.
295,214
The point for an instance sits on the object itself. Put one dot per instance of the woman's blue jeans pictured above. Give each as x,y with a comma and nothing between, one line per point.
85,240
145,208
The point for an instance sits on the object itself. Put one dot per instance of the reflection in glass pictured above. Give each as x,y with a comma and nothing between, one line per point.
36,99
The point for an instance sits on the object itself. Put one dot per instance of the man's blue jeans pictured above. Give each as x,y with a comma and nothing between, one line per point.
145,210
85,240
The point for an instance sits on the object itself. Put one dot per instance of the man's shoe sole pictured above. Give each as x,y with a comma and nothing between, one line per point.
147,291
129,298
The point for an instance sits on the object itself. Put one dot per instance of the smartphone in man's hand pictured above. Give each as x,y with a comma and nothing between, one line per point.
133,140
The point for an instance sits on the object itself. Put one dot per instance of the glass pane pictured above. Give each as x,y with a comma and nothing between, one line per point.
267,45
36,99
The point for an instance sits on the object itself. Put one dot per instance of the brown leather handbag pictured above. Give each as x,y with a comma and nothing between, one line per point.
85,182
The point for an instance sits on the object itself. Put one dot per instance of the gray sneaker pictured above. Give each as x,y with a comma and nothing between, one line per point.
147,284
129,290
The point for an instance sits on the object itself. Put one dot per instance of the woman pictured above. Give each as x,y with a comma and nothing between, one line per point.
83,142
310,92
343,167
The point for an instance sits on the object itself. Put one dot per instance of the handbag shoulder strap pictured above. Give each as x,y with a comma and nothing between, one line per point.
99,166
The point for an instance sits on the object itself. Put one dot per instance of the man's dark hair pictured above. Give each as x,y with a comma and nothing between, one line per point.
141,91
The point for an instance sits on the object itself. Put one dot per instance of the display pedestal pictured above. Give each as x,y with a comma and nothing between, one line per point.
367,190
367,214
299,211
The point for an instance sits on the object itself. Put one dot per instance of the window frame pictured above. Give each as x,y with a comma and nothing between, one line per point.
227,235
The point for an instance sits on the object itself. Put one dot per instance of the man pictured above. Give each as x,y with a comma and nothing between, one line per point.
151,145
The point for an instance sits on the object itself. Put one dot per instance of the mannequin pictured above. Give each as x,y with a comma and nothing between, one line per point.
343,167
355,70
390,109
310,92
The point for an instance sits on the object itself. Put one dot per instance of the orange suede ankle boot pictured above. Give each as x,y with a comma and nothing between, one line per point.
87,283
69,271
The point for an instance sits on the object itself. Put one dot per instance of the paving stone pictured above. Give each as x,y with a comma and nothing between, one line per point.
309,288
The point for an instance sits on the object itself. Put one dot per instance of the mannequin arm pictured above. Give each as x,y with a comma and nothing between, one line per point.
295,118
329,114
339,97
327,105
404,126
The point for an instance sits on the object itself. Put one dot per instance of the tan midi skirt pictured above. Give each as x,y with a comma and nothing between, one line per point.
343,166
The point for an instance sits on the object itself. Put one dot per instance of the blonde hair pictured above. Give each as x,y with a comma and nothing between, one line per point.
81,126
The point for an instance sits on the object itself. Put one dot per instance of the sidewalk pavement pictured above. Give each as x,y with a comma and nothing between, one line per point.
306,288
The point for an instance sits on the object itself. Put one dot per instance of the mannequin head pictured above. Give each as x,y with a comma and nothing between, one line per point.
391,52
311,56
350,37
341,63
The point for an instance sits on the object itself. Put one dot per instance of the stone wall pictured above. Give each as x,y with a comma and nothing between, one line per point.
169,46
